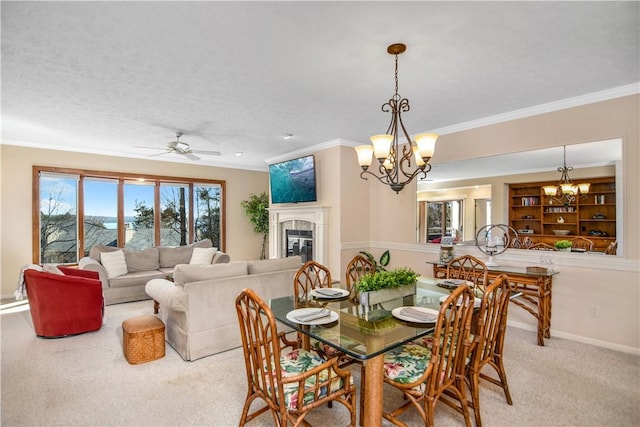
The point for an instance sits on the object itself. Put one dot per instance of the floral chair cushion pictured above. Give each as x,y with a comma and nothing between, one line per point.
327,351
297,362
407,363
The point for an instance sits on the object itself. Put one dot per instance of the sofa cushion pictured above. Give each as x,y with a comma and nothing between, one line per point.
137,278
202,256
114,263
270,265
142,260
187,273
96,250
220,258
170,256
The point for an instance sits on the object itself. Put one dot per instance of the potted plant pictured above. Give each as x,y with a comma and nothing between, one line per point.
256,208
562,245
381,286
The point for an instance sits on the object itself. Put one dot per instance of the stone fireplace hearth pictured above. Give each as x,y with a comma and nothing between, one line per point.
299,231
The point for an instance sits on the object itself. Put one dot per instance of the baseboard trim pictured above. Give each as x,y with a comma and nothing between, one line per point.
578,338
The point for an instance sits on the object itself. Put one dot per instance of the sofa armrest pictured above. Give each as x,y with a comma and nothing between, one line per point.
220,258
166,294
91,264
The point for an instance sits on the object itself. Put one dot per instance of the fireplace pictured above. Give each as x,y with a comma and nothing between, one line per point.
298,231
298,242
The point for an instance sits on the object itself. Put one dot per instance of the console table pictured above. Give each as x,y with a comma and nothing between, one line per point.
534,286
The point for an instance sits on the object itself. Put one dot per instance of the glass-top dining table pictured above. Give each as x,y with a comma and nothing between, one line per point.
364,333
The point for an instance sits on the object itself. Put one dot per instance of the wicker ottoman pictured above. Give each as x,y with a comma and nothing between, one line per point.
143,339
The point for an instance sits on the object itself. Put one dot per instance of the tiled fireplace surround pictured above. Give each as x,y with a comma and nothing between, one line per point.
313,218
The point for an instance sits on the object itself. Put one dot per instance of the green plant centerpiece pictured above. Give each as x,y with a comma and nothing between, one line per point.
381,286
562,245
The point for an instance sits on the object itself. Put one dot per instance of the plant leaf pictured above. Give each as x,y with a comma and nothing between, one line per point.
385,258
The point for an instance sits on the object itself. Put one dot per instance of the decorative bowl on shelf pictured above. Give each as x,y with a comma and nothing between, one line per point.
561,232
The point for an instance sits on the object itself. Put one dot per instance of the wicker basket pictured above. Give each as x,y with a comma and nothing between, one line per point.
143,339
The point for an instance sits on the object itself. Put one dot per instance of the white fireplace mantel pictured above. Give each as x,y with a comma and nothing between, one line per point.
318,215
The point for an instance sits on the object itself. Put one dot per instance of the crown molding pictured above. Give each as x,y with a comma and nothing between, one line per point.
562,104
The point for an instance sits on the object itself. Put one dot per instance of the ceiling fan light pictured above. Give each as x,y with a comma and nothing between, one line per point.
181,146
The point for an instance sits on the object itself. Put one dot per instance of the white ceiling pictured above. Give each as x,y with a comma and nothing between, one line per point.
110,77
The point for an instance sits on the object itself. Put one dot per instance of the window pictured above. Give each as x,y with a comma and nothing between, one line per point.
77,209
442,218
57,216
139,217
100,212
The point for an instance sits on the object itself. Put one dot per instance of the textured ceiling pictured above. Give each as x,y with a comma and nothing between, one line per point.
111,77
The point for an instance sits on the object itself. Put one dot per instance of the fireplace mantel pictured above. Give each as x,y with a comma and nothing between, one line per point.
318,215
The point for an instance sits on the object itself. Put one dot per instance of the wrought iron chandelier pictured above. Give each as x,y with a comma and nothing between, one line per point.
395,168
565,192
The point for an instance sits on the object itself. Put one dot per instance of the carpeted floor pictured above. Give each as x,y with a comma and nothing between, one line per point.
85,381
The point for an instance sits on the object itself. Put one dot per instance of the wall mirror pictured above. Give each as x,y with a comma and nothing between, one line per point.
481,186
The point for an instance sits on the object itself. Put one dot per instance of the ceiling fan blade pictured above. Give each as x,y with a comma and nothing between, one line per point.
208,152
158,154
191,156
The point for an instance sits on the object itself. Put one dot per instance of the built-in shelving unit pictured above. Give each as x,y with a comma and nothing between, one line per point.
592,216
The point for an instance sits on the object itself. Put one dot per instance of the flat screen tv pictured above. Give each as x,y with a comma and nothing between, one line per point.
293,181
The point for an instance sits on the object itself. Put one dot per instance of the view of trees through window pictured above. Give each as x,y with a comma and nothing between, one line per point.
187,211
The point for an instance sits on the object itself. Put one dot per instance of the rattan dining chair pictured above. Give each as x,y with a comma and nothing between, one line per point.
423,372
311,275
582,243
357,267
470,268
489,342
291,384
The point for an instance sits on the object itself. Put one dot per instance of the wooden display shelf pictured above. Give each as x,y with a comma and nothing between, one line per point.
579,216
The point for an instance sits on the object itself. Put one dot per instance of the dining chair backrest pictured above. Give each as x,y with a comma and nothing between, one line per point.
542,247
311,275
261,346
612,249
582,243
356,268
492,318
515,243
492,325
470,268
451,340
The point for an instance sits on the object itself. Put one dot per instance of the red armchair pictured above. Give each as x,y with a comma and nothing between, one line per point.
63,305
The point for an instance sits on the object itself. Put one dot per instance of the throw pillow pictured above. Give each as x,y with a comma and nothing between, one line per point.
50,268
114,263
202,256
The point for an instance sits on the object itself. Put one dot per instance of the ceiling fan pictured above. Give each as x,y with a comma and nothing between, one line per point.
183,149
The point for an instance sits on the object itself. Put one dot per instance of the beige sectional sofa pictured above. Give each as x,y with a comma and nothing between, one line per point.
124,273
198,308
